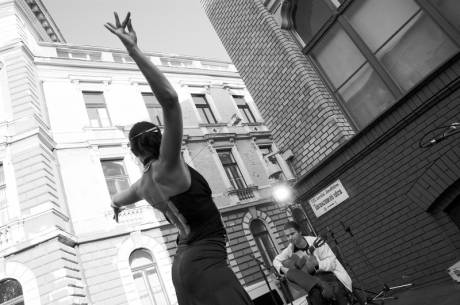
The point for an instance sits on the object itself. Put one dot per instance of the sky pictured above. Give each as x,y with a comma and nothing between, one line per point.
169,26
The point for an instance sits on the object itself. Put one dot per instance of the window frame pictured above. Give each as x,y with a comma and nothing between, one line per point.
143,270
159,118
101,105
243,107
233,164
3,204
268,260
126,175
339,19
200,108
268,157
16,300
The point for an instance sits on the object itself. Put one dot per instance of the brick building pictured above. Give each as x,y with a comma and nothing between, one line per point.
350,89
65,111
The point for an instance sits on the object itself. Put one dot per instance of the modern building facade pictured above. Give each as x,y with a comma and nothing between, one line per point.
65,112
354,90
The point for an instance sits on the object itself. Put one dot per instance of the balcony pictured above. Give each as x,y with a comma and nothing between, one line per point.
244,193
11,234
141,215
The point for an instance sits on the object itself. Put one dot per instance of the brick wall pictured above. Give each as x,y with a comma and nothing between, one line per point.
241,243
290,95
395,187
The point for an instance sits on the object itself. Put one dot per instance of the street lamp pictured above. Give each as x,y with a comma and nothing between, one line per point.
283,195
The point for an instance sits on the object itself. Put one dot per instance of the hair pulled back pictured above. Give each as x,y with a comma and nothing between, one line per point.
145,140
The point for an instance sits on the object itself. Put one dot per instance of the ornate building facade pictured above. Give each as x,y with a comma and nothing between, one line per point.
65,111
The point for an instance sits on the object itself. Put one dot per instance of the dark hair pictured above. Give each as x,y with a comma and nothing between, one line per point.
145,140
294,225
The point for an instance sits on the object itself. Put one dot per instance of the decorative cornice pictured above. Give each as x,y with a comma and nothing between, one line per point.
220,136
260,134
44,19
74,63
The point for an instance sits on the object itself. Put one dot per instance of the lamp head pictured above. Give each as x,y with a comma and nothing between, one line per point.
282,194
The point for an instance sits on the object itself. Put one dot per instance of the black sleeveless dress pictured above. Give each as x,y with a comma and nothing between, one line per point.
199,210
200,272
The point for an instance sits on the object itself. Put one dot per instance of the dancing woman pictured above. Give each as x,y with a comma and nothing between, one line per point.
200,272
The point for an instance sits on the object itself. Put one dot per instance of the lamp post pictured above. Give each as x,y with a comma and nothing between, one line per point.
283,194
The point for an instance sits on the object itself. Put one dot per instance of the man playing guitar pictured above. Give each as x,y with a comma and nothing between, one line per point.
310,263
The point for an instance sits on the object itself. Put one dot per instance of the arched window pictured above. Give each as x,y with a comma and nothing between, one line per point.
147,278
263,241
11,292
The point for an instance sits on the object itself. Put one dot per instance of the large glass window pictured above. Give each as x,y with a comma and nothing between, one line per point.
244,109
449,9
263,241
231,169
115,175
351,77
3,199
153,107
309,16
11,292
149,284
407,42
372,52
203,108
96,108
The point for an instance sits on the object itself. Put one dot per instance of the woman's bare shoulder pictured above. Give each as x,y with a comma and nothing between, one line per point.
176,180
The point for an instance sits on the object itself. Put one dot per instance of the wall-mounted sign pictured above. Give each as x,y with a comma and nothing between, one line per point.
328,198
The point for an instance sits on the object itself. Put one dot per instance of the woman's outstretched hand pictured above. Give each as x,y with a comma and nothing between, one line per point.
128,38
116,211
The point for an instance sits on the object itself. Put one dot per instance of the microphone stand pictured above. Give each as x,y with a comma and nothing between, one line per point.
260,264
340,257
382,295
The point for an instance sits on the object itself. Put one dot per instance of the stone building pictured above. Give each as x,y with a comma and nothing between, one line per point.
65,112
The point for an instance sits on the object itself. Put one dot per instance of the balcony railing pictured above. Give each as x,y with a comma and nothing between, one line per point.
140,215
244,193
99,54
11,234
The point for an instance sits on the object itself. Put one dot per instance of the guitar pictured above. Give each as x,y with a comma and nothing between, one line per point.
298,262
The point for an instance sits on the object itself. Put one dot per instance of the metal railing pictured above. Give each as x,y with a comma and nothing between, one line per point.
244,193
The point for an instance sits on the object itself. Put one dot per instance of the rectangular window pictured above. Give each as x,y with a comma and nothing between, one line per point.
153,108
369,67
362,90
450,10
203,108
243,107
115,175
271,162
3,200
231,169
409,44
96,108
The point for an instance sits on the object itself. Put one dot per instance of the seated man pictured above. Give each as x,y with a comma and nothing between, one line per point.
320,273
